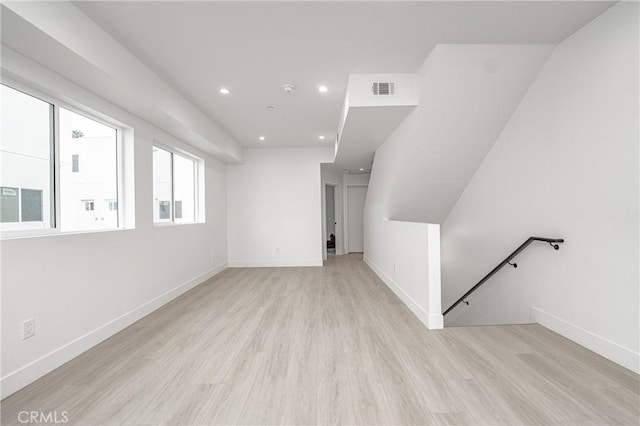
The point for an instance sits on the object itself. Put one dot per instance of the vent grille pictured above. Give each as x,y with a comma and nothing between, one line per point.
383,88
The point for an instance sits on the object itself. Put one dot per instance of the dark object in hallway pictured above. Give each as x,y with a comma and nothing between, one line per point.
331,243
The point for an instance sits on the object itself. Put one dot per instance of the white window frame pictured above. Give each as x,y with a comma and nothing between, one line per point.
198,182
56,218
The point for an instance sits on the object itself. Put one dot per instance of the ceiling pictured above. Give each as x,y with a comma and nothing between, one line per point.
253,48
365,129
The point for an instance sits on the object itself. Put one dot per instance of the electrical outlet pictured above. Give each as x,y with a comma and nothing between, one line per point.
395,266
277,249
28,328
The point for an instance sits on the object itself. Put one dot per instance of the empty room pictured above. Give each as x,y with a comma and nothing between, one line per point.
320,212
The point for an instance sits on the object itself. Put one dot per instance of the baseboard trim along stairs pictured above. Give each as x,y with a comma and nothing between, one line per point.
608,349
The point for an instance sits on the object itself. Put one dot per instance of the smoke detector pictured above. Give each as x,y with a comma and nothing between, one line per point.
288,88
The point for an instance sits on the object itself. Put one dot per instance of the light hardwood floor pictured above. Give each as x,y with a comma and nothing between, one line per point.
326,345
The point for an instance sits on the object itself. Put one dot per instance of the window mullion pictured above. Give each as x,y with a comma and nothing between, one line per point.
55,169
173,190
196,202
119,180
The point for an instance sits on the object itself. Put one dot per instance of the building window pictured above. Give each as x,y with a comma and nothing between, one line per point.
165,210
174,187
32,130
31,205
9,205
20,205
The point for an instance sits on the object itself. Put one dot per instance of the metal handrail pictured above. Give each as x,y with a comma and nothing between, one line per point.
552,241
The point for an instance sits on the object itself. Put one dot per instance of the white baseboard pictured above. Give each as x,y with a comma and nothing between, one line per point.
431,321
608,349
273,263
23,376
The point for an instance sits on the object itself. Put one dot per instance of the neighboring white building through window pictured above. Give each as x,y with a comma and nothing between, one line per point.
175,187
96,144
26,162
32,130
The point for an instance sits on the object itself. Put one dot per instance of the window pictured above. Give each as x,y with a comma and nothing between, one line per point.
184,188
165,210
31,209
32,130
25,208
10,205
96,144
26,162
89,205
174,187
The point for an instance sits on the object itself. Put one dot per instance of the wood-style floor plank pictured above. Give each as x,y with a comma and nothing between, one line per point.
329,345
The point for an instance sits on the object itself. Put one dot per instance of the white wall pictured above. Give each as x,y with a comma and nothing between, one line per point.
83,288
566,165
406,256
467,93
274,207
356,196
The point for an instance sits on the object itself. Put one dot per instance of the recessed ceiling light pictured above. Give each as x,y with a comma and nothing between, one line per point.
362,170
224,91
321,137
323,89
261,138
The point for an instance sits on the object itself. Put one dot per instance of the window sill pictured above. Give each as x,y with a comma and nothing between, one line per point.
170,224
18,235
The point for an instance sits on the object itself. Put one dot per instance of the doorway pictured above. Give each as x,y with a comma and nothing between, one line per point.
331,234
356,196
331,225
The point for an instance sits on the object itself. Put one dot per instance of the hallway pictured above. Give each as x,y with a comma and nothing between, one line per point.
326,345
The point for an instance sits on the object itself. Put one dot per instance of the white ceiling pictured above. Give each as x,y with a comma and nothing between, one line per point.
255,47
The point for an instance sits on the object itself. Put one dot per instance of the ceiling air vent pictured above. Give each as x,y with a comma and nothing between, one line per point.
383,89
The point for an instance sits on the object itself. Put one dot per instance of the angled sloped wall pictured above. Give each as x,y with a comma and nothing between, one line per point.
566,165
467,93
